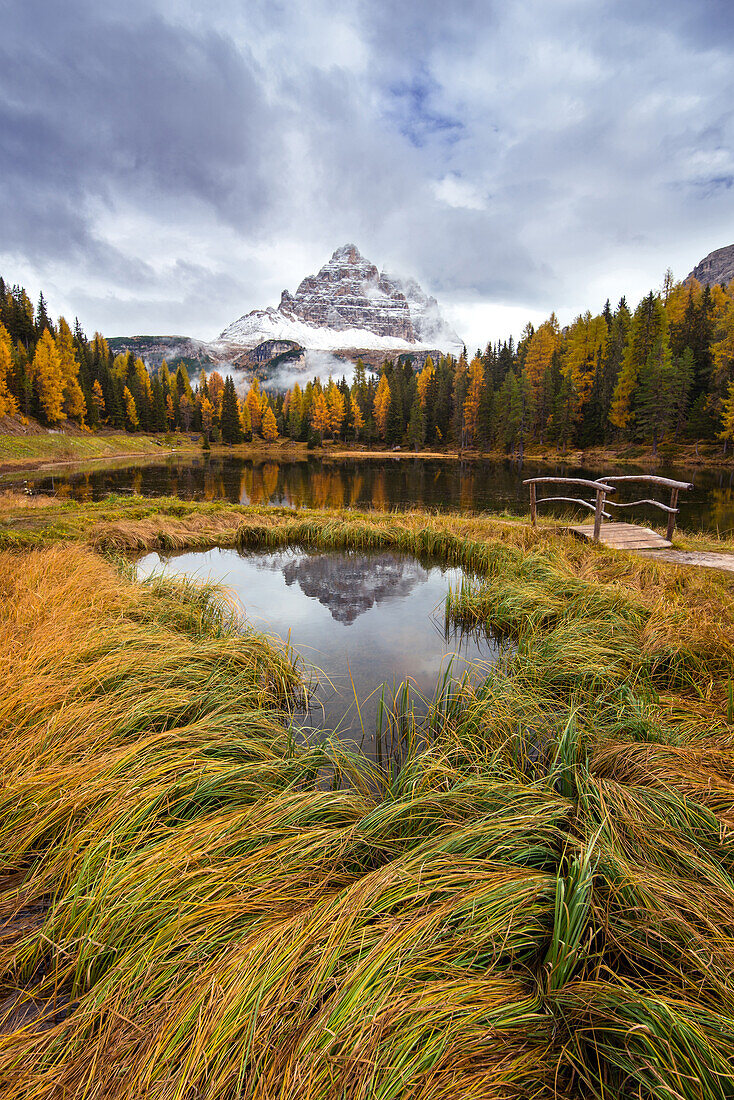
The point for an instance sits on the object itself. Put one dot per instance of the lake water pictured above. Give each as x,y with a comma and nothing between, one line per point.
361,619
382,483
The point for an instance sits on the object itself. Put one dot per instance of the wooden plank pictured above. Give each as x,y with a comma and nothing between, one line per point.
623,536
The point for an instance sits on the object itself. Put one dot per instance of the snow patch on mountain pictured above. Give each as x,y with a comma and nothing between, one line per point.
347,305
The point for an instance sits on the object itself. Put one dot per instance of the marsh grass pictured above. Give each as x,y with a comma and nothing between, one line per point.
530,896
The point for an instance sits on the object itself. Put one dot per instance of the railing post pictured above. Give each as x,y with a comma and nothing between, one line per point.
671,515
600,494
533,505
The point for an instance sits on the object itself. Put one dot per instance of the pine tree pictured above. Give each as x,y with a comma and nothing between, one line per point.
648,324
230,416
417,424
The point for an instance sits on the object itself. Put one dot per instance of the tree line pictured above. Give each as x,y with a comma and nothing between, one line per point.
663,372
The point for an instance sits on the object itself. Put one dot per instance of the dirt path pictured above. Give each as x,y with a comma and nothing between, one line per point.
705,558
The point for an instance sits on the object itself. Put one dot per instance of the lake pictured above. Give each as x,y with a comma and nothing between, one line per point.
382,483
361,619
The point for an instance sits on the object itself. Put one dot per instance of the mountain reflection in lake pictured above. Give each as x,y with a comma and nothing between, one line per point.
363,620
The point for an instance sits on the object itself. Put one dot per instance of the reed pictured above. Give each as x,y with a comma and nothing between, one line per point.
530,896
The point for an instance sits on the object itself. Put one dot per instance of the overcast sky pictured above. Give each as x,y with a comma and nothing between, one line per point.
166,166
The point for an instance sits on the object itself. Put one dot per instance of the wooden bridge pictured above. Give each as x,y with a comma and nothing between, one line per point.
622,536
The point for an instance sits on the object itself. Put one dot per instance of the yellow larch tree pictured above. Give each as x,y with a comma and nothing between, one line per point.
215,386
335,402
131,412
245,422
473,399
207,415
320,414
48,378
269,426
582,354
75,406
424,380
98,398
381,406
8,404
253,402
542,346
357,418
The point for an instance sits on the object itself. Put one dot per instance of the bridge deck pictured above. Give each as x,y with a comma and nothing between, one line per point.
622,536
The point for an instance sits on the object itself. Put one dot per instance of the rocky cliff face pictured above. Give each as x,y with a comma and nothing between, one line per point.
348,305
349,292
717,267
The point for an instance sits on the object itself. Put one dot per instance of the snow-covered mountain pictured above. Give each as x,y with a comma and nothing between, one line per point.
348,306
347,310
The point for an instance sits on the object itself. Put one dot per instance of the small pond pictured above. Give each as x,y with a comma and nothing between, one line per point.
364,620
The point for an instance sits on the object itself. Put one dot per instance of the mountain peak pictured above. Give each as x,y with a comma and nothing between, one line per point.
717,267
349,304
348,253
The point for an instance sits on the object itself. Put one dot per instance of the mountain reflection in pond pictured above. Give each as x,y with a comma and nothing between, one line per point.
351,584
363,620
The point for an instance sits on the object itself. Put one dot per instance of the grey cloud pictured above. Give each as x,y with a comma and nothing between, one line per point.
587,137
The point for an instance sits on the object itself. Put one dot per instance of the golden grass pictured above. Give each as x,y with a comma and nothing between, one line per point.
539,904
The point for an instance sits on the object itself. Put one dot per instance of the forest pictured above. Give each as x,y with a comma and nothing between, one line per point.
663,373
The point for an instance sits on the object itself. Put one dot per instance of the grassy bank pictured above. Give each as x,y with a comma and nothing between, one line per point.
18,452
540,905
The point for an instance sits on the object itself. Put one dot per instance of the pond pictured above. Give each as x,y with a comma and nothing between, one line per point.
364,620
382,483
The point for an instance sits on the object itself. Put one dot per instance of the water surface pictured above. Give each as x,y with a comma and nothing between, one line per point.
362,619
382,483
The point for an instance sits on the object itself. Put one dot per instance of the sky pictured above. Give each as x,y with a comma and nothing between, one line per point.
165,168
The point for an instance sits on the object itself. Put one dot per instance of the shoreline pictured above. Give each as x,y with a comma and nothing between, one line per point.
284,450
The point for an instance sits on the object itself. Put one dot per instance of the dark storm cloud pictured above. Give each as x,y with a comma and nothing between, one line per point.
91,105
509,152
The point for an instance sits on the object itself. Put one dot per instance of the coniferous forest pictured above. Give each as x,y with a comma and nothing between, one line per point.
661,372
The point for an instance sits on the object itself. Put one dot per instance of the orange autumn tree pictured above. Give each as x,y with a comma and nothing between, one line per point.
320,414
8,404
254,405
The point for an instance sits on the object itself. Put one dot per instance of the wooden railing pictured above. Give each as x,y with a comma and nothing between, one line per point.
666,483
602,489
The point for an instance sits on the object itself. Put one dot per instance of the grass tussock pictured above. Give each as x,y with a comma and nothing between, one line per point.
534,899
